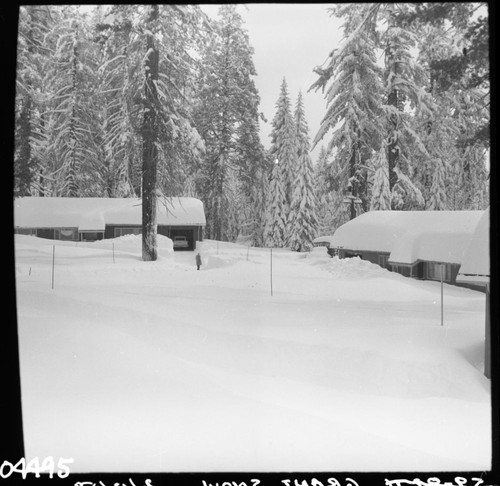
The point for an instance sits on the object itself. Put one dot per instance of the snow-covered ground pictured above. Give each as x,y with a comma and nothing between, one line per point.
154,366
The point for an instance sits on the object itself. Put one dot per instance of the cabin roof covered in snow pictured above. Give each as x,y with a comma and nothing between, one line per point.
93,213
409,236
475,266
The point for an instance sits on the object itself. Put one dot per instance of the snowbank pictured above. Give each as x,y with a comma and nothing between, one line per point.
217,254
130,243
107,251
318,252
355,268
345,368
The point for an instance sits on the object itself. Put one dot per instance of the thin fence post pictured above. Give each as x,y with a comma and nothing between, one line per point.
113,243
53,260
271,271
248,251
442,316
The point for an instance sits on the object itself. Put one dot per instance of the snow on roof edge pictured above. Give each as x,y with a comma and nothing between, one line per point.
409,236
95,213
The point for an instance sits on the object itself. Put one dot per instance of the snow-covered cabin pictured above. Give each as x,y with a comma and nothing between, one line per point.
92,218
420,244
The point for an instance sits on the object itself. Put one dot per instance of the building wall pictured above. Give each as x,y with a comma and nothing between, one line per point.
432,271
405,270
193,233
422,269
45,233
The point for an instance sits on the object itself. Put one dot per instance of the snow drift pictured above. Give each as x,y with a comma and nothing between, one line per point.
345,368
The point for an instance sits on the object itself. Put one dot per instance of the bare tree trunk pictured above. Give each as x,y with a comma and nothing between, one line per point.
149,149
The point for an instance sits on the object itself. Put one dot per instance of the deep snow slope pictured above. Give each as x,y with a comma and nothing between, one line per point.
154,366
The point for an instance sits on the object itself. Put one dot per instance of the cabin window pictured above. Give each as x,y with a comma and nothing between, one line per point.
91,235
127,231
66,234
25,231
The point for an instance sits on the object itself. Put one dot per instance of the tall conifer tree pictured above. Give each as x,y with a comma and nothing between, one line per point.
283,143
352,79
303,221
228,99
252,169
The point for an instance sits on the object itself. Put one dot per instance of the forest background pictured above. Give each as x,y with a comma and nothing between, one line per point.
160,101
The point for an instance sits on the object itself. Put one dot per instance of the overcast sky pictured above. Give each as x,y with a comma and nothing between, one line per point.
289,41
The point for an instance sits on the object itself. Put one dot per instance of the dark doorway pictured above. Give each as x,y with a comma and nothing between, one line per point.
179,236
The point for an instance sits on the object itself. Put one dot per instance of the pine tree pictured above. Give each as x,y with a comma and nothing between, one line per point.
228,99
341,212
23,175
381,194
283,144
36,44
235,207
332,210
473,183
322,185
303,221
454,50
48,70
118,80
181,148
438,189
73,114
165,124
352,79
258,221
276,215
252,169
404,85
